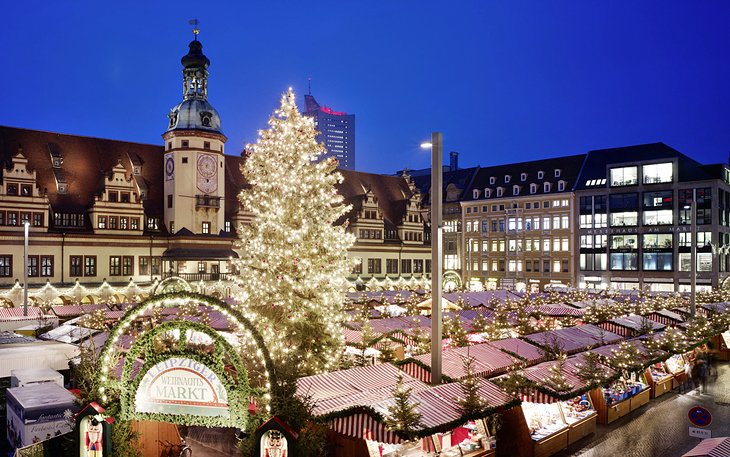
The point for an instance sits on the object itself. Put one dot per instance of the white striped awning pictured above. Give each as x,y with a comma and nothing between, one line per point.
710,447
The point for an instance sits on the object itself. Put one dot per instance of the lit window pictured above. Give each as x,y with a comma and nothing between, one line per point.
624,176
657,173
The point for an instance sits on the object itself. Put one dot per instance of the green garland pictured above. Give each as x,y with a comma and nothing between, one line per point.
237,387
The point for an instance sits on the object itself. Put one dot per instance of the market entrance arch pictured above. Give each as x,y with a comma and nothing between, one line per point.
181,370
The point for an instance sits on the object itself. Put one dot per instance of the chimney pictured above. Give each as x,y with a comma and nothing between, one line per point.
453,161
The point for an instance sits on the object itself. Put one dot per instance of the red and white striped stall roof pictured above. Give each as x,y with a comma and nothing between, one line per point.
666,317
360,386
556,310
11,314
438,405
575,339
711,447
527,351
631,323
608,351
76,310
488,361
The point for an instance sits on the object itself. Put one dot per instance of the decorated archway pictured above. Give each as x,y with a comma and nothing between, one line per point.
451,281
179,369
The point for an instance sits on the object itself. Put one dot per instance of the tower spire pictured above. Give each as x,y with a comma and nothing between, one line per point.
309,85
196,30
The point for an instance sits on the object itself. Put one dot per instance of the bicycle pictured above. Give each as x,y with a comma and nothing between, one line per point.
176,450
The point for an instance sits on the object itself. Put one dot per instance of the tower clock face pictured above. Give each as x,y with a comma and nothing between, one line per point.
169,168
207,173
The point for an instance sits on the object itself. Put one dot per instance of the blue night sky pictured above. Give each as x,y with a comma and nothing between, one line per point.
504,81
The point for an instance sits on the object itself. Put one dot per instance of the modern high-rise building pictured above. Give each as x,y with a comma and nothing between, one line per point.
336,130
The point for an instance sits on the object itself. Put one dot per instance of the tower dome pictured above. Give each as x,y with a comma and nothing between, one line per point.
195,112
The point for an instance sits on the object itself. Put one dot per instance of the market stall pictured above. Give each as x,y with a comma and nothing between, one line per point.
521,349
631,389
660,379
488,361
574,339
631,326
557,410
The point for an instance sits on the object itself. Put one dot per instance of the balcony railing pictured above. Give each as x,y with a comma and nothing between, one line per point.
196,277
207,201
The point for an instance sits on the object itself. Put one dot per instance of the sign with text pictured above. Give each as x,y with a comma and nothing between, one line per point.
184,387
700,432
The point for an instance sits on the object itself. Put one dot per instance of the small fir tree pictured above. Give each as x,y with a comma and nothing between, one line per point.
480,323
292,265
590,370
555,380
456,332
626,358
470,402
403,417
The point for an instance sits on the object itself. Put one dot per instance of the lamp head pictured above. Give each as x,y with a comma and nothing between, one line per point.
426,145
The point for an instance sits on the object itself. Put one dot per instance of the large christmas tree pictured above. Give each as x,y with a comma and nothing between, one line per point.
293,263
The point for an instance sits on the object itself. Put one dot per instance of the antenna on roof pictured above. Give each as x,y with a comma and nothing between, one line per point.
196,30
309,85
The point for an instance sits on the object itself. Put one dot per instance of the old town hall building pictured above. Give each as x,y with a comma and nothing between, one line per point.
112,210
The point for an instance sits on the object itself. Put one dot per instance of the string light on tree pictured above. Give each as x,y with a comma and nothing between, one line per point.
293,264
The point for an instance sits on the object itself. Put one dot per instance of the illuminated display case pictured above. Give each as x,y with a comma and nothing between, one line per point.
577,409
543,419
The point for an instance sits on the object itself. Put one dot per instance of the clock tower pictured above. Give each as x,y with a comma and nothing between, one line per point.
194,164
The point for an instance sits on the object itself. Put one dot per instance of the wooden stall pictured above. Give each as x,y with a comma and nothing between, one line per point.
630,391
630,326
352,403
660,379
551,421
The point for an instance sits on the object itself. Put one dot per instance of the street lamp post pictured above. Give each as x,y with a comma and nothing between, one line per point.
693,256
436,249
693,253
25,271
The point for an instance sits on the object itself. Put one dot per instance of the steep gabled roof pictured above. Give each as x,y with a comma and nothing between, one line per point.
86,161
461,178
392,193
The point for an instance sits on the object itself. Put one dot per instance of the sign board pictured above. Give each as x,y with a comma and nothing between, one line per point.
726,338
700,432
699,416
184,387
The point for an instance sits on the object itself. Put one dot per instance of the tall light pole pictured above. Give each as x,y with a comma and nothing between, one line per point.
436,250
25,270
693,256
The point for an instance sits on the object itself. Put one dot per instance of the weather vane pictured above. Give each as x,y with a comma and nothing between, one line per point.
196,30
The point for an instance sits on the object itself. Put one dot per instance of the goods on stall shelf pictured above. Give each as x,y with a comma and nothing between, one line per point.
676,365
543,419
620,397
577,409
659,378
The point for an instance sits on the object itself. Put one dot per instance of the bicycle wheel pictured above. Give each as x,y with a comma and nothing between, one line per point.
186,452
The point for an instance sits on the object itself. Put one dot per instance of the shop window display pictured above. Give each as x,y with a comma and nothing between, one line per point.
577,409
543,419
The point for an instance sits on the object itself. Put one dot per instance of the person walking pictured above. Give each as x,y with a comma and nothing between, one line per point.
703,370
686,385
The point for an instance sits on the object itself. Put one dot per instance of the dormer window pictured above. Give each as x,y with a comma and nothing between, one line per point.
492,180
205,118
500,191
561,186
540,174
533,188
515,190
557,172
546,187
487,193
523,177
507,178
475,194
57,162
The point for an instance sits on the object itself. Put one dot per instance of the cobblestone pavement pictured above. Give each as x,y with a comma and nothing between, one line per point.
661,428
